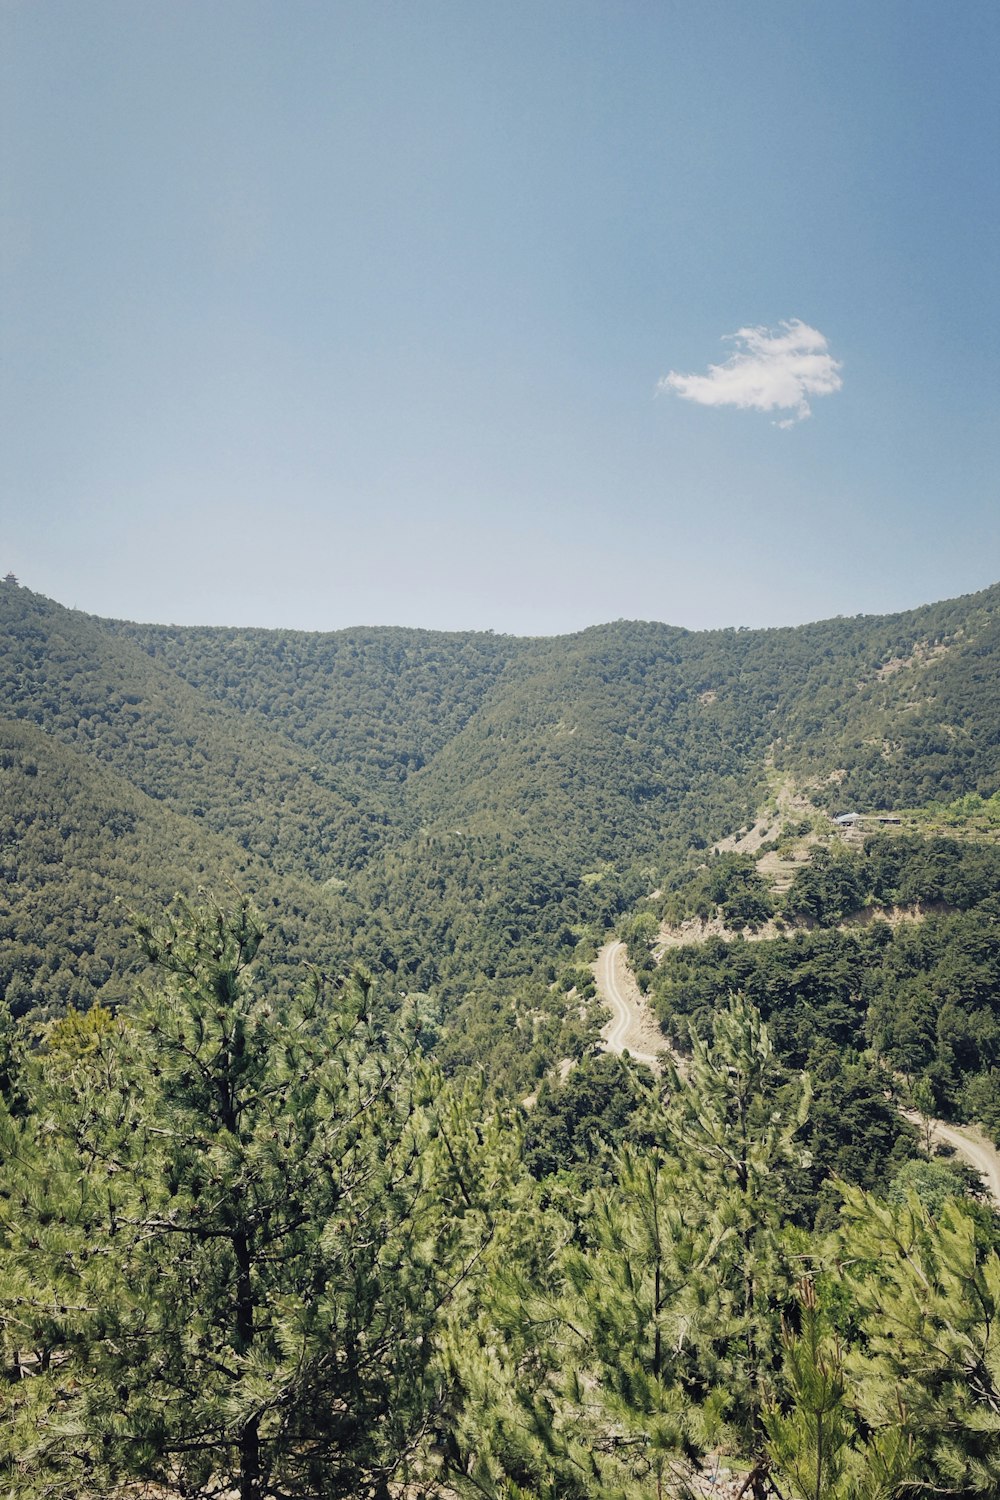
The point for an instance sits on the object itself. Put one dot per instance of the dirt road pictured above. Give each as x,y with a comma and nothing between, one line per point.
968,1141
633,1029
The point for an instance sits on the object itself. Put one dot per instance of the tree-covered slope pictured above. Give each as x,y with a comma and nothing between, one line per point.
79,846
896,710
259,1245
376,703
467,805
625,736
106,698
609,742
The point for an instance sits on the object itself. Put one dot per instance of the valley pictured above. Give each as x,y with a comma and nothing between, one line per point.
335,1157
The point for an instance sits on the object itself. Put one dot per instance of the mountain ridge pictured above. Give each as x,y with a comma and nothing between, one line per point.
465,808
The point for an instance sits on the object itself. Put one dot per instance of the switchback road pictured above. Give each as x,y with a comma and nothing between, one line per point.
633,1029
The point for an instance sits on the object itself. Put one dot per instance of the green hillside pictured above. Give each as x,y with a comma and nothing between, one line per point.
378,704
80,846
98,693
466,809
336,1192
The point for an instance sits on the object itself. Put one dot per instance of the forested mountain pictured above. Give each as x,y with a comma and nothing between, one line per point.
462,808
332,1191
81,845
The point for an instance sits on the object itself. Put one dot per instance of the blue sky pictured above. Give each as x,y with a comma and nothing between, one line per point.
320,314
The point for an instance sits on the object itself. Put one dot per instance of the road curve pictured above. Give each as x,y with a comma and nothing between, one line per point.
630,1019
969,1143
627,1017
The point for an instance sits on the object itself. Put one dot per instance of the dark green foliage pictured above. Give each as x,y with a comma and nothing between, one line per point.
75,839
905,870
923,995
379,703
730,885
809,988
574,1124
902,706
102,695
827,889
837,882
854,1133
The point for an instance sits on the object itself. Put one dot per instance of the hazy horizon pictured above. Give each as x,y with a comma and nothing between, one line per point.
513,634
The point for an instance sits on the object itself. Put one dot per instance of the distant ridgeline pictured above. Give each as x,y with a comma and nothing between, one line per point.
466,813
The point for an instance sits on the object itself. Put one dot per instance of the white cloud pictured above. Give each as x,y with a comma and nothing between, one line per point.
773,369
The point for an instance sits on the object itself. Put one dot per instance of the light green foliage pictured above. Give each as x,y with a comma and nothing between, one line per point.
971,814
807,1442
639,1296
509,1430
734,1123
926,1373
238,1222
258,1245
932,1182
815,1441
615,1363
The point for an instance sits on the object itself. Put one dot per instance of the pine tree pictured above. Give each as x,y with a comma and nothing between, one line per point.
526,1422
926,1371
732,1123
249,1219
810,1429
653,1333
628,1293
689,1271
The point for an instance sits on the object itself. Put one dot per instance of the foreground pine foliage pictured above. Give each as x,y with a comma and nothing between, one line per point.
230,1228
261,1248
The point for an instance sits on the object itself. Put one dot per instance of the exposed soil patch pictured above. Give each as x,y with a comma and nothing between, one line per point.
787,805
694,930
921,655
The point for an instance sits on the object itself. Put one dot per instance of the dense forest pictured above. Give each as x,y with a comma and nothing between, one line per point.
314,1177
460,810
915,998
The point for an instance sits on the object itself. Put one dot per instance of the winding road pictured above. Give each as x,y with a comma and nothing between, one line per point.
633,1029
